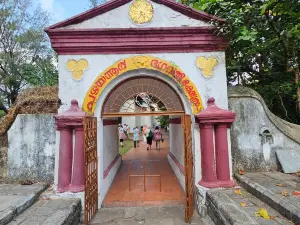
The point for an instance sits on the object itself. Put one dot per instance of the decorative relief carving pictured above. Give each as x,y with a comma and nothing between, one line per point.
141,11
77,67
207,65
141,61
136,62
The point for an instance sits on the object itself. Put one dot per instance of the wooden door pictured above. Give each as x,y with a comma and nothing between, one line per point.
189,167
90,168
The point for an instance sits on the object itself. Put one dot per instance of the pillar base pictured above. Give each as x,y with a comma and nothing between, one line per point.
226,184
213,184
62,189
76,188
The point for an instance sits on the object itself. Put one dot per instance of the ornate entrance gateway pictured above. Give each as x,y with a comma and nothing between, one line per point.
106,59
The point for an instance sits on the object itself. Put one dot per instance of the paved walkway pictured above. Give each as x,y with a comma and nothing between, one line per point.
155,215
157,163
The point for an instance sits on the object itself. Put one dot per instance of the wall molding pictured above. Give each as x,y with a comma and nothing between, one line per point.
109,122
110,166
175,120
175,160
136,40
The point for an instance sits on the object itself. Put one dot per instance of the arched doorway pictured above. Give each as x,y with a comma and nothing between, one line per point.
169,88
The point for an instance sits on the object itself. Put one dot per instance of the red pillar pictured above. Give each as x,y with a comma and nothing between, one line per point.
209,178
65,159
222,155
77,184
66,122
215,153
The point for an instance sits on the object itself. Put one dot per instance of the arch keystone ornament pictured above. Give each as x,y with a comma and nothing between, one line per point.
77,67
146,62
207,65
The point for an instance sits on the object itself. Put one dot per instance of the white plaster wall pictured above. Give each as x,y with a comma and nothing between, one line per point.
119,18
31,151
177,172
146,120
110,145
108,149
177,142
247,148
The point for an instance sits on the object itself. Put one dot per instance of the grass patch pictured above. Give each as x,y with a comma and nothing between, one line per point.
127,145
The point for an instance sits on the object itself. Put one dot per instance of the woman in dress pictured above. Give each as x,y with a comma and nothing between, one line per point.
157,137
122,135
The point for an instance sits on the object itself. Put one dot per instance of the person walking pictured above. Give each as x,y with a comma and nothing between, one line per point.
144,133
158,137
149,137
122,135
136,137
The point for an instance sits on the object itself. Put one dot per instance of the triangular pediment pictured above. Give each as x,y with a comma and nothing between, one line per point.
115,14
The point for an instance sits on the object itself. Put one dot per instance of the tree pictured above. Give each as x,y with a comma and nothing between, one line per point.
25,54
264,48
93,3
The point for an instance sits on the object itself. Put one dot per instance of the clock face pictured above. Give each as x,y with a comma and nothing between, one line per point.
141,11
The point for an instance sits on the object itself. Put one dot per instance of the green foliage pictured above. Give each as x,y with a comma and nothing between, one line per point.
163,121
2,113
25,55
264,48
127,145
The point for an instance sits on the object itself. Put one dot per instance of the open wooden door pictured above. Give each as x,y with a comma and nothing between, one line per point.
189,167
90,168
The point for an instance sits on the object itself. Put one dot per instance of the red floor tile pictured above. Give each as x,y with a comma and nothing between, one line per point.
156,163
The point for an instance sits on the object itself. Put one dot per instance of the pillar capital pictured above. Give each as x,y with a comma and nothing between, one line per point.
71,117
214,114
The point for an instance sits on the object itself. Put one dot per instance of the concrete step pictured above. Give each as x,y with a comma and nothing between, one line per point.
224,208
265,187
15,198
147,215
50,212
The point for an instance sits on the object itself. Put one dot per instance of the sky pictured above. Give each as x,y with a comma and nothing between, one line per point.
64,9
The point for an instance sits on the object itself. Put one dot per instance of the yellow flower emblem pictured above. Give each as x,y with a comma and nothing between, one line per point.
206,65
77,67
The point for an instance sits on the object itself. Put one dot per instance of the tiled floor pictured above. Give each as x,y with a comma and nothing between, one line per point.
157,164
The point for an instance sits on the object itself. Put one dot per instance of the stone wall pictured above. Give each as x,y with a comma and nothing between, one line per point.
31,150
256,133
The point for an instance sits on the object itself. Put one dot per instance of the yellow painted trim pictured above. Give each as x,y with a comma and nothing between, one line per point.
138,62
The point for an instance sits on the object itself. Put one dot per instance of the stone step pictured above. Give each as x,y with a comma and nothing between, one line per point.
50,212
147,215
15,198
224,208
268,187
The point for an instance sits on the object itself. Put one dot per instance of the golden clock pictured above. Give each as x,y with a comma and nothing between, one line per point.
141,11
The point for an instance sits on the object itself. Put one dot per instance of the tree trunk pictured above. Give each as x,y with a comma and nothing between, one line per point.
297,80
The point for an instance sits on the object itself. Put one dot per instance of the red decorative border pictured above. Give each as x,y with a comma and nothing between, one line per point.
141,40
108,122
175,120
110,166
180,167
110,5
